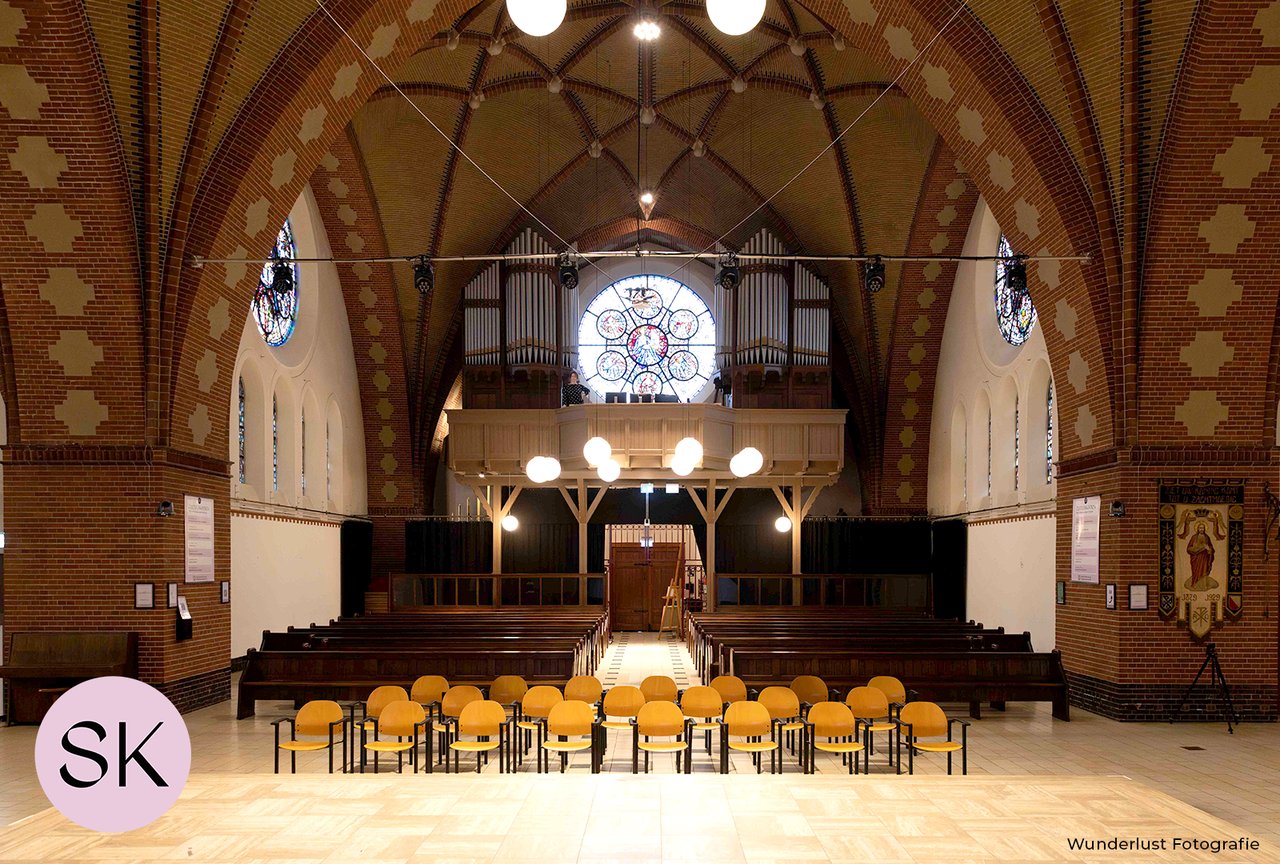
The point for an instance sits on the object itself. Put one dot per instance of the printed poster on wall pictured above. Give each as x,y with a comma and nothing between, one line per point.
1085,518
199,527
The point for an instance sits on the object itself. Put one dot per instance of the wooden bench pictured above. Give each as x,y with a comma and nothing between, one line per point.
42,666
969,676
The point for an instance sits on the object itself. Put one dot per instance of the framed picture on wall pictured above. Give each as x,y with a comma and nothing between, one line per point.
1138,596
1111,596
1061,593
144,595
225,588
172,590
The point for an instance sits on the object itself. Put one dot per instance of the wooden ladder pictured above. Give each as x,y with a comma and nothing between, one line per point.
671,608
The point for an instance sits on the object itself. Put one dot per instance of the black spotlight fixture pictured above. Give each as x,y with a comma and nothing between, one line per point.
424,276
1015,274
873,275
281,288
568,272
728,276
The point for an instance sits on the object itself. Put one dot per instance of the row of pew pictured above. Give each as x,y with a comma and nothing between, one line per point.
942,660
346,658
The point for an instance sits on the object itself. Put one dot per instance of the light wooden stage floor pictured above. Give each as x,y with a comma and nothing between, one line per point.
584,818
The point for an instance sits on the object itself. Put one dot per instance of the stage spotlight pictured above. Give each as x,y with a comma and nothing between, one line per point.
568,273
873,275
782,524
537,17
728,276
510,522
1015,274
424,276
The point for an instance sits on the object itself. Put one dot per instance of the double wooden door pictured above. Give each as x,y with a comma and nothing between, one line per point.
638,582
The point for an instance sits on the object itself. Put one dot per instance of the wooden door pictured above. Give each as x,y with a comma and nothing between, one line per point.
639,581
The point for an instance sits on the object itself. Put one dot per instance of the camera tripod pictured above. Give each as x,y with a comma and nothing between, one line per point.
1219,680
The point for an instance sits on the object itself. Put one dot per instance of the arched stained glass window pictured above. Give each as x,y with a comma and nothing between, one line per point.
1048,436
275,446
1015,313
1016,433
304,451
241,406
276,312
649,336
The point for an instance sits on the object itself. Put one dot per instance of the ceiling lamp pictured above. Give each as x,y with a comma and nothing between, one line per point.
510,522
609,470
568,273
728,276
735,17
647,199
537,17
689,450
746,462
596,451
782,524
542,469
647,30
1015,274
682,467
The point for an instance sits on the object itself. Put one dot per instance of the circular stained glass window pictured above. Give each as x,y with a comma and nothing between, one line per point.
647,335
276,312
1015,313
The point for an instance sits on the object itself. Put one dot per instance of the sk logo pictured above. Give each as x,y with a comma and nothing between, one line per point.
113,754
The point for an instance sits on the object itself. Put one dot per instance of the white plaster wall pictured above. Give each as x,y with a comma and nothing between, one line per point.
1011,576
282,573
288,572
1010,563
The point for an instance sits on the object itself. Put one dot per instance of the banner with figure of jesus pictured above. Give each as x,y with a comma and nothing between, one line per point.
1201,551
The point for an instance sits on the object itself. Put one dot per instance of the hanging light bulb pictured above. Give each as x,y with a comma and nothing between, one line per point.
782,524
609,470
682,467
537,17
510,522
689,450
596,451
735,17
746,462
647,30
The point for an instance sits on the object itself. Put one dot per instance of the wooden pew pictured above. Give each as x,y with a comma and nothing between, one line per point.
42,666
968,676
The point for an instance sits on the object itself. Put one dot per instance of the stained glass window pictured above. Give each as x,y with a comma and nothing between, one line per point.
647,335
304,451
1048,437
1016,432
275,446
1015,313
276,312
241,459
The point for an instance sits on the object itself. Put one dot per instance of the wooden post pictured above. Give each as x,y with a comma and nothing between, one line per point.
496,515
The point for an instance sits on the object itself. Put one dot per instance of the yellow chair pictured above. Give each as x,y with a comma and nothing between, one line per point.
428,690
784,709
624,701
751,722
567,724
730,687
893,690
836,723
400,720
705,708
535,707
454,701
508,690
810,689
584,688
660,720
926,720
659,688
371,709
317,718
486,721
870,708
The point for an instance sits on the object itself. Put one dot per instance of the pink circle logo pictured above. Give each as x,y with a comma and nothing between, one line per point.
113,754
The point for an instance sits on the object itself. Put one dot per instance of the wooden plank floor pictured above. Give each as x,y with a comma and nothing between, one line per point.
705,818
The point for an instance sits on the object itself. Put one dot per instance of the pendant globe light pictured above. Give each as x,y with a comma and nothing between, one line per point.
735,17
596,450
609,470
538,17
689,450
746,462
